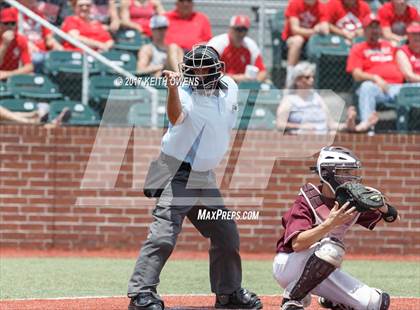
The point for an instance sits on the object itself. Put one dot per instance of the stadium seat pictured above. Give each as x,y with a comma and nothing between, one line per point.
163,121
258,117
4,92
359,39
268,95
33,86
276,23
326,44
124,59
140,115
19,105
249,85
65,69
408,103
329,53
67,62
81,115
129,40
100,87
102,92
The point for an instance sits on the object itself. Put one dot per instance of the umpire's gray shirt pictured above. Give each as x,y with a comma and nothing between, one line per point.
211,118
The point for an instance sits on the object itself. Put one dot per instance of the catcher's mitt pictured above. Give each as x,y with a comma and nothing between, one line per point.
362,197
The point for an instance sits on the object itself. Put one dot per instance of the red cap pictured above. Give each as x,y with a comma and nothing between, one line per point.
240,21
8,15
369,19
414,28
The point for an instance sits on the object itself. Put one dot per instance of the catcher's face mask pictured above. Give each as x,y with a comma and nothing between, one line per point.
343,175
334,176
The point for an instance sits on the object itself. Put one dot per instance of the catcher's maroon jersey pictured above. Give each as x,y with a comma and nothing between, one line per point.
300,218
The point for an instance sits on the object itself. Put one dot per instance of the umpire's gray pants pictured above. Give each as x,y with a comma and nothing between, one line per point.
177,201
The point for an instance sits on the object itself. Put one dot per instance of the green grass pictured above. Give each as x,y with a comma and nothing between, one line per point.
59,277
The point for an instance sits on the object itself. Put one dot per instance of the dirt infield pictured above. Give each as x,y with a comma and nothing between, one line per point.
171,302
10,252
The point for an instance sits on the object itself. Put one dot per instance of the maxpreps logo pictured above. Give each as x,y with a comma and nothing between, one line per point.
215,215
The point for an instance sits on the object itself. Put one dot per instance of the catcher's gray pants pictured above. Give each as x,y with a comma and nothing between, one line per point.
186,194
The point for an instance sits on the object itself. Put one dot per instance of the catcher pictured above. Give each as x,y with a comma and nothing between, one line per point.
311,250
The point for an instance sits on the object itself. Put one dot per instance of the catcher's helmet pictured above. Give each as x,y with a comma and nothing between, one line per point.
333,158
202,63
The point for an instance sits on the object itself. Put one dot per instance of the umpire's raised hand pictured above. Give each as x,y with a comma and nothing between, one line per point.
173,79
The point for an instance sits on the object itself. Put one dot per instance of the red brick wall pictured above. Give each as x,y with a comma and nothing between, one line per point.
44,203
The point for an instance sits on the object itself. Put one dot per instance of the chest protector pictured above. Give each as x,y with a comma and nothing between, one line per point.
321,211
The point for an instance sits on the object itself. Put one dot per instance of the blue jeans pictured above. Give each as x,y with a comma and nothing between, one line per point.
38,59
370,94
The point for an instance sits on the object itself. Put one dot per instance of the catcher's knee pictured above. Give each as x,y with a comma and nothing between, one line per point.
331,250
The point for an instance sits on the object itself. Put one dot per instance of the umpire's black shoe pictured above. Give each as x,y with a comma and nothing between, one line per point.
146,301
240,299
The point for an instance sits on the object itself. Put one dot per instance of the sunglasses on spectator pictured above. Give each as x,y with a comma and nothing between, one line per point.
82,5
241,29
9,24
185,0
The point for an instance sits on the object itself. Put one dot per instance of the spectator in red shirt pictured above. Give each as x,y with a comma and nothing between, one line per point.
13,47
241,55
408,56
136,14
304,18
82,27
373,63
40,39
395,16
345,17
104,11
186,26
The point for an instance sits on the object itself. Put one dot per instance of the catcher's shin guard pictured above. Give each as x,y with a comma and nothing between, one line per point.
326,258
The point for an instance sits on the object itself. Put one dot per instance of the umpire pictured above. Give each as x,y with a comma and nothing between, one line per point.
201,118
